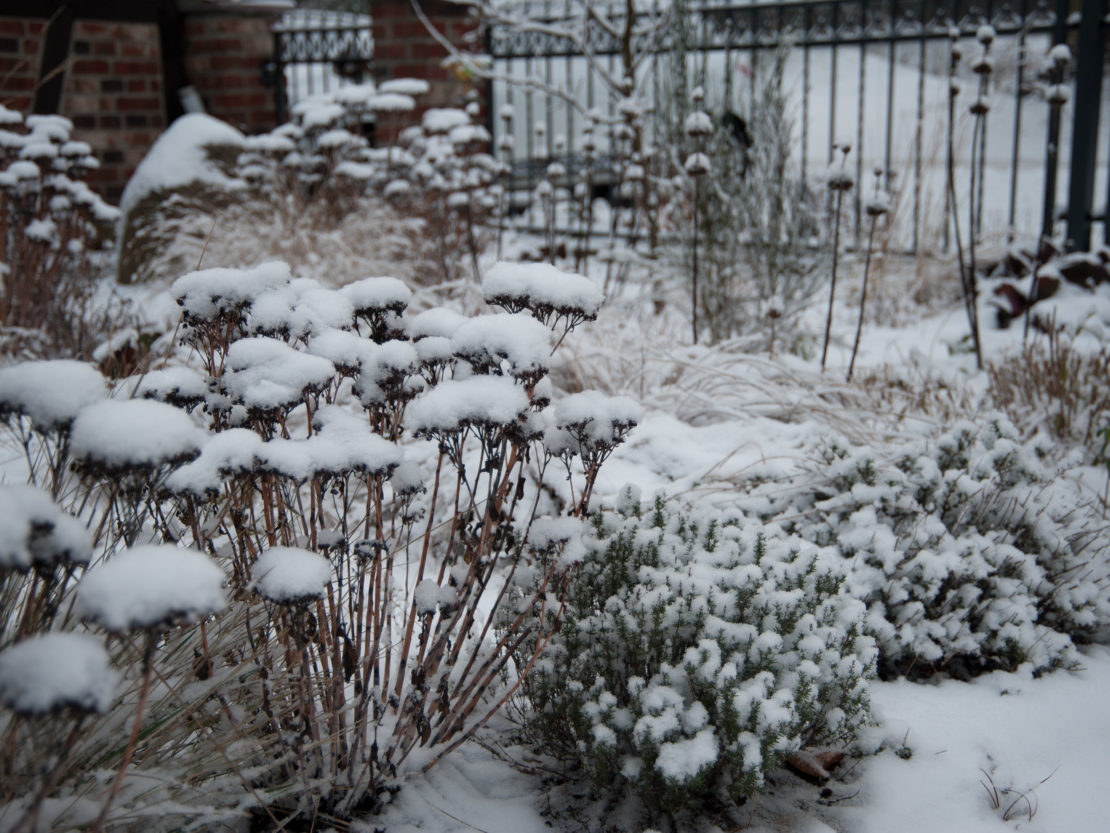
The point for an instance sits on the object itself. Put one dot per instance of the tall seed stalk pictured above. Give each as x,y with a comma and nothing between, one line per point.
698,126
840,182
877,207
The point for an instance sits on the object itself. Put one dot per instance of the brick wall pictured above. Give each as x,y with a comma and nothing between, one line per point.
223,61
403,48
115,83
20,53
114,95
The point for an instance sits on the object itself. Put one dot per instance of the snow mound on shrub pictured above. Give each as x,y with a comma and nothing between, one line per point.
206,294
288,574
55,671
35,531
541,287
122,434
50,393
480,400
151,586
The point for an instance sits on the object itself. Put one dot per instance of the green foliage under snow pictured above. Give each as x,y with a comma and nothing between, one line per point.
969,553
696,651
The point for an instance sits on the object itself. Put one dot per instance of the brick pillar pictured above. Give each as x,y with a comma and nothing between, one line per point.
224,54
21,43
403,48
114,95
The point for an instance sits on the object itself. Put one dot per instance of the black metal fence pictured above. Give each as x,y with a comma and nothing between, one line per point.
317,51
873,73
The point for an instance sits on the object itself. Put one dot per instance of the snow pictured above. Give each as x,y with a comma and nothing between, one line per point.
264,373
405,86
391,102
299,309
1020,730
443,120
34,531
178,158
153,586
480,400
54,671
121,434
180,386
682,760
288,575
698,123
377,295
50,393
438,321
224,455
208,293
515,338
597,419
541,285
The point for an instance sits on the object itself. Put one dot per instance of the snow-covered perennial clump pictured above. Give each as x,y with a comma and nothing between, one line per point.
50,221
697,650
269,513
969,553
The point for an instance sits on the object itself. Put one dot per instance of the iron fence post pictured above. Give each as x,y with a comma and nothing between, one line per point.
1088,91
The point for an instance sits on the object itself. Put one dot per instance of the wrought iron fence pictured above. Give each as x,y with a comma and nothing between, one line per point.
870,72
317,51
873,72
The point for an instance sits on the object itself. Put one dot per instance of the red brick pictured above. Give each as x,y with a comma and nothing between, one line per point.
136,85
91,67
35,28
18,82
419,71
390,51
222,62
231,81
11,26
142,32
409,30
84,84
83,104
232,101
136,68
129,49
196,26
92,28
387,11
31,47
104,48
139,103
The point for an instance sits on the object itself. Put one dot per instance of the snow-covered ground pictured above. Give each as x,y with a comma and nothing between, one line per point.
1039,743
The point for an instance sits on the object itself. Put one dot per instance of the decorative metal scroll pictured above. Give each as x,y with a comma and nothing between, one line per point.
324,45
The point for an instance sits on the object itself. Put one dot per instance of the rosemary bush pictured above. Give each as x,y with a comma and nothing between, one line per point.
696,651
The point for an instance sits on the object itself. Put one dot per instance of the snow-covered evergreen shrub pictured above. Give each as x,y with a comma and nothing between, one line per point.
969,553
696,651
